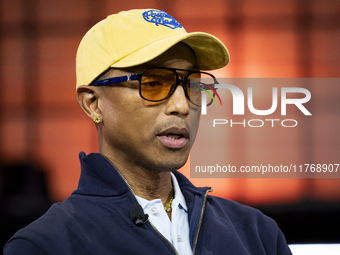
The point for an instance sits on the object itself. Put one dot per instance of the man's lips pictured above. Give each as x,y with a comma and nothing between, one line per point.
174,137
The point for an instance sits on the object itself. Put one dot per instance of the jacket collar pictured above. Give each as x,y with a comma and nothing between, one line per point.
100,178
187,186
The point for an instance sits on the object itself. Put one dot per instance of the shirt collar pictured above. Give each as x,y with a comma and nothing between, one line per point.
178,194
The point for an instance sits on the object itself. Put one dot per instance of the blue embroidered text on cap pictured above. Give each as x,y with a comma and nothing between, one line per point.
161,18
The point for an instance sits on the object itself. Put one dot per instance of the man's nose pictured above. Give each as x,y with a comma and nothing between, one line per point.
178,104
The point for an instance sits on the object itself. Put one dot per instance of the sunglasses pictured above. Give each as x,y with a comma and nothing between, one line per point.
159,83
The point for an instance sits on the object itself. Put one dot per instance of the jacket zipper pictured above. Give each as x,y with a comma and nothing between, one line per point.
164,238
137,202
201,219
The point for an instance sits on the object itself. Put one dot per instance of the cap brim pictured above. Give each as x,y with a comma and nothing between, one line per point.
210,51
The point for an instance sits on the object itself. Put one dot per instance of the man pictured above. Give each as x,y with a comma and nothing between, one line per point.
133,73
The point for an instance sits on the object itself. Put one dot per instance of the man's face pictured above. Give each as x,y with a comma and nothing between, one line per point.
152,135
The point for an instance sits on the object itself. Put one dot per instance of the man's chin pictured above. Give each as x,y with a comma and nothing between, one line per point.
169,165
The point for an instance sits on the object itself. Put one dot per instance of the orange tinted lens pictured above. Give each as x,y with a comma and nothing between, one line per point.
156,83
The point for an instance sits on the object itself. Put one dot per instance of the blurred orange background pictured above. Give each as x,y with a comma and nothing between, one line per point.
41,121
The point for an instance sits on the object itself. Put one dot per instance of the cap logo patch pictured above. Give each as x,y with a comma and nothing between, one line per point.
161,18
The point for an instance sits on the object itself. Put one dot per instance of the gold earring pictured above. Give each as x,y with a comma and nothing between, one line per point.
97,120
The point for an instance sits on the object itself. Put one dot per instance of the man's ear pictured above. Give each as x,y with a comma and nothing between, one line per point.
87,97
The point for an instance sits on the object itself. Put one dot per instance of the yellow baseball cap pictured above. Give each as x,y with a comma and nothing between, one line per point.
133,37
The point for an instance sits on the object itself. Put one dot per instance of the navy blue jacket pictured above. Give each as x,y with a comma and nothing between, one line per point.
95,220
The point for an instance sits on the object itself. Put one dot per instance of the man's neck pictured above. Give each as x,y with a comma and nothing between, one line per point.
145,183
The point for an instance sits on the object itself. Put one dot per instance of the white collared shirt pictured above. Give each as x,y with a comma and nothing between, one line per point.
175,231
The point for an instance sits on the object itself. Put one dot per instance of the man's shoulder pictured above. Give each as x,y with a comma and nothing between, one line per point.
241,227
26,240
69,225
57,216
52,226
